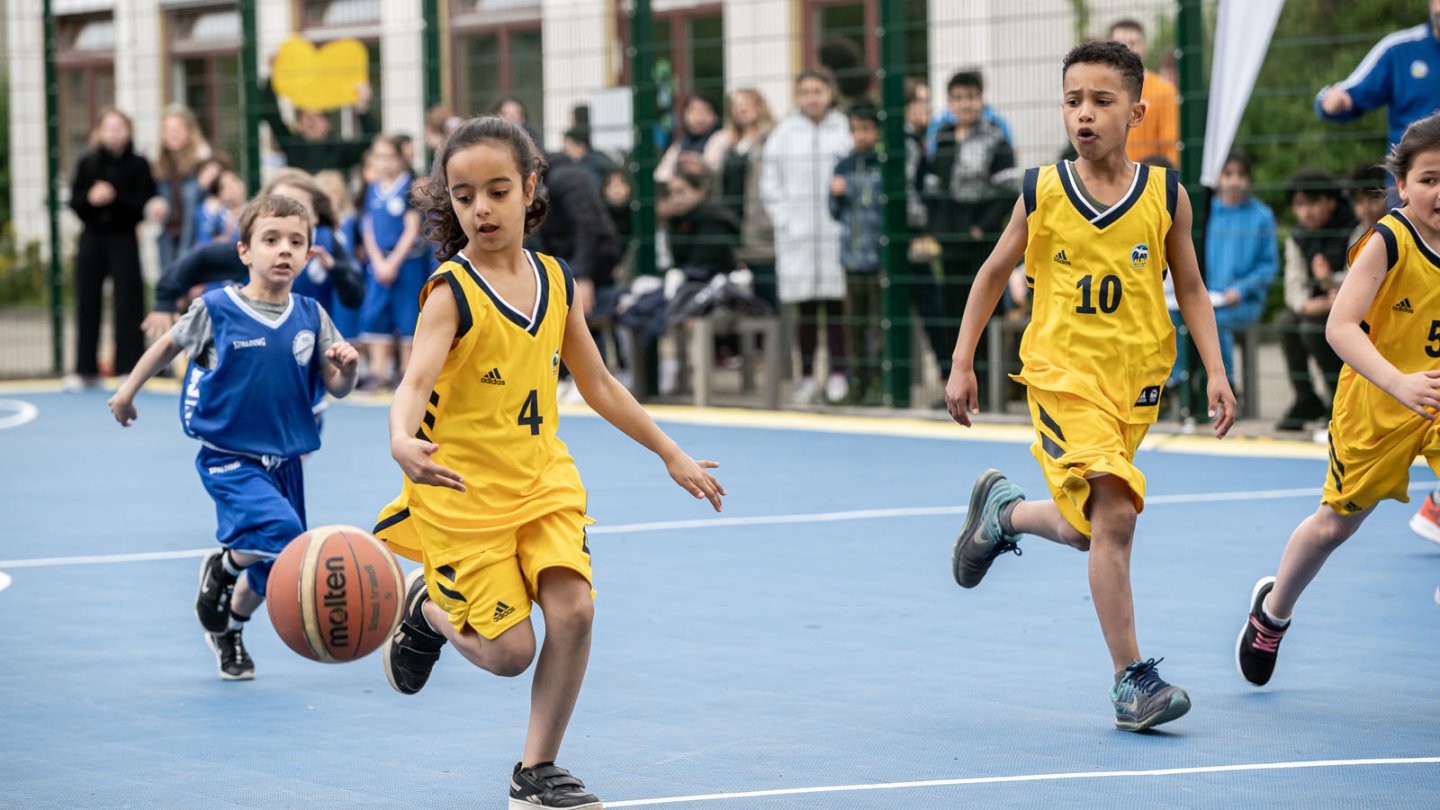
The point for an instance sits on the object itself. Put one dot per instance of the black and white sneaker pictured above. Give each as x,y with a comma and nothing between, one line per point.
212,603
410,654
547,785
229,648
1258,646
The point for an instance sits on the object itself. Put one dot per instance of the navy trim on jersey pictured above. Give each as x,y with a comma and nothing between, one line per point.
391,521
1050,423
1425,250
1172,192
462,304
569,281
1392,248
1032,177
542,297
1052,449
1365,327
434,397
452,594
1103,219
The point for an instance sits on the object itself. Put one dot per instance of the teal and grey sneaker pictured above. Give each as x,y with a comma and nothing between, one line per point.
982,539
1142,699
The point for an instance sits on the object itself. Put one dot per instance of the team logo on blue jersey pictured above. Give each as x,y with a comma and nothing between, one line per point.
1419,69
395,206
303,347
1140,256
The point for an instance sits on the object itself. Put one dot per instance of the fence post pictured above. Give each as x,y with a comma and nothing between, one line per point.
643,160
895,235
1190,62
434,89
52,177
250,94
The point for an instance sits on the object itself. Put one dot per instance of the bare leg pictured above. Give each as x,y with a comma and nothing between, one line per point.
506,655
244,600
1112,517
569,613
381,353
1043,519
1310,546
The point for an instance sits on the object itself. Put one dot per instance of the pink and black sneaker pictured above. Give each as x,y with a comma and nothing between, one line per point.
1259,642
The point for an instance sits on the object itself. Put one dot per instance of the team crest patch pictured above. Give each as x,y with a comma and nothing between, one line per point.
555,363
1140,256
395,206
1419,70
303,347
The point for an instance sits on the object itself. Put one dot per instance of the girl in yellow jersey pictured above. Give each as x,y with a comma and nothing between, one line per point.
1097,236
1385,325
492,504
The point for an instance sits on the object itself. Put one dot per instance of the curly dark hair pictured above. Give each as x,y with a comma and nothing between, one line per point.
1112,54
432,195
1420,136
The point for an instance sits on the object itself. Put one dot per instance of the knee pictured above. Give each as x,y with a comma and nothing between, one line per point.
510,659
573,616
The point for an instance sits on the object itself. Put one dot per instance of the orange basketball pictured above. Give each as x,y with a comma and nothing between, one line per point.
335,594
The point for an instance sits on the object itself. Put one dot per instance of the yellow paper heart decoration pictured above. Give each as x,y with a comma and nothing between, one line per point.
322,79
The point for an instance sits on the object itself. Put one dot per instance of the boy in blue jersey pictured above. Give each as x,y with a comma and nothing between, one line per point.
258,358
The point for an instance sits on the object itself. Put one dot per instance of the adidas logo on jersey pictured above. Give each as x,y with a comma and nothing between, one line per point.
492,377
1060,258
501,611
1404,306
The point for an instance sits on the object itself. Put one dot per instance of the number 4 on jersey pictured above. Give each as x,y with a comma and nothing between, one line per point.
530,413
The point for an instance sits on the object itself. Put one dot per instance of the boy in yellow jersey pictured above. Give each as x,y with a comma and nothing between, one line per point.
1097,236
1385,325
492,505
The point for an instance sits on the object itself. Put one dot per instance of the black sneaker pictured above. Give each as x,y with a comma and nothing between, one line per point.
414,648
212,603
1259,642
230,655
1142,699
547,785
982,539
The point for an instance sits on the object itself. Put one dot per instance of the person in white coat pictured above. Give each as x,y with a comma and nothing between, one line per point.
800,157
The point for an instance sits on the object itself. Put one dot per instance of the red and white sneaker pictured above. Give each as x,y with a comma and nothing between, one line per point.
1426,522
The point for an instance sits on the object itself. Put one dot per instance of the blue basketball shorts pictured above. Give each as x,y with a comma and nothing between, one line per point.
258,510
392,311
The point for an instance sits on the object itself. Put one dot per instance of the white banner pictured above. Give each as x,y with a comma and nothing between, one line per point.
1242,35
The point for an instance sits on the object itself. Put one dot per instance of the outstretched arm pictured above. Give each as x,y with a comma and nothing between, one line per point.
158,356
961,392
611,400
1199,314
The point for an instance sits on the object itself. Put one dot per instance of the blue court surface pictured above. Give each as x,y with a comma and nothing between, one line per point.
806,649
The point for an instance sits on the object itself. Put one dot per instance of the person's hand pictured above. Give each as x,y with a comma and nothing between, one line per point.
122,407
1336,101
976,232
102,193
327,261
1419,391
1319,305
1230,297
585,295
344,357
413,456
386,272
962,395
691,476
1222,404
363,94
837,186
157,209
1320,268
158,323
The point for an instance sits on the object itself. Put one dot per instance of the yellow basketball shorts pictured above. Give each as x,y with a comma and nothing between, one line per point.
491,589
1076,441
1367,465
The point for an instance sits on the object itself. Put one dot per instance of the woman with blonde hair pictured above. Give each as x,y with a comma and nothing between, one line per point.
750,123
111,187
179,193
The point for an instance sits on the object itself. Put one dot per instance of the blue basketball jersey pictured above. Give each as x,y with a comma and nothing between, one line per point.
385,208
314,280
257,399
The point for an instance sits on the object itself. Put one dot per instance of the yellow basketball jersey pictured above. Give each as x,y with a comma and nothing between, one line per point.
1403,322
493,414
1100,329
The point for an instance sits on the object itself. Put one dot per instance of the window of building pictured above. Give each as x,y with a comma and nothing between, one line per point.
839,35
691,57
496,54
85,80
204,72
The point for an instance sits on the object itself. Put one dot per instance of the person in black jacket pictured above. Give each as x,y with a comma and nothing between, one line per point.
112,185
578,229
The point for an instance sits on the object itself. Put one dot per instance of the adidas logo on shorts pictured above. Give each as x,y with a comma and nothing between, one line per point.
501,611
492,377
1060,258
1404,306
1351,506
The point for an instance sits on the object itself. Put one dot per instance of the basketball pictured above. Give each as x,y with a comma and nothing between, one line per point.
335,594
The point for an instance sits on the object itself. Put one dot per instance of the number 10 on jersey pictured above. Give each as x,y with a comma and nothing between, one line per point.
1109,295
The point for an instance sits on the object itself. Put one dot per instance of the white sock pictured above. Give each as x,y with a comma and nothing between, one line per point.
229,565
1270,617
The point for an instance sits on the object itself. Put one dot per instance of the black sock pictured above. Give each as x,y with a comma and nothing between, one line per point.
227,562
237,621
1004,516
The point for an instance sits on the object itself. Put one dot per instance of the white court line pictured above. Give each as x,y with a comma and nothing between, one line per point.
24,412
1037,777
4,580
720,523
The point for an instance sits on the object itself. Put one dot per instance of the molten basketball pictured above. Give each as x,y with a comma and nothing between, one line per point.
335,594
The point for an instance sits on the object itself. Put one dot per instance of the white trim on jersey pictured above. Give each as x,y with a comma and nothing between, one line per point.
1367,64
261,319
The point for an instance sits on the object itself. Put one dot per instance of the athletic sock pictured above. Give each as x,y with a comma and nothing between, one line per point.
228,563
237,621
1270,617
1004,515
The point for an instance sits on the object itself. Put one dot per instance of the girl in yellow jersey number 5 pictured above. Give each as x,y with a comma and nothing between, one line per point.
492,504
